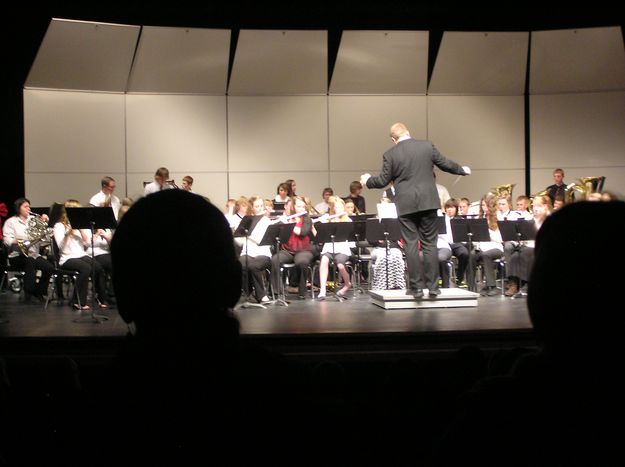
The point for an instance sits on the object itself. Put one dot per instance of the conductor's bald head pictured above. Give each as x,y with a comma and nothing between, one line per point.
398,130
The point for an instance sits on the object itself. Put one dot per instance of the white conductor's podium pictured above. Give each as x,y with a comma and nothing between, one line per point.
398,299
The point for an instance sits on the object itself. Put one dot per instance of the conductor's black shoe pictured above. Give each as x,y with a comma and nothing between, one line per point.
417,294
434,293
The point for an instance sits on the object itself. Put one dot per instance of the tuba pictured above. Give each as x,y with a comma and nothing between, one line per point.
585,186
36,230
503,191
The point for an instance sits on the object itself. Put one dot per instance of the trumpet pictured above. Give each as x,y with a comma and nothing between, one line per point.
36,231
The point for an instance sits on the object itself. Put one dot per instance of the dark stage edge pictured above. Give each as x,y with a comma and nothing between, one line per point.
354,329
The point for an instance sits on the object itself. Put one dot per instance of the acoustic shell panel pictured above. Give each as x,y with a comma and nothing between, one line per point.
277,133
577,60
183,133
360,128
381,62
481,63
84,56
179,60
279,63
69,131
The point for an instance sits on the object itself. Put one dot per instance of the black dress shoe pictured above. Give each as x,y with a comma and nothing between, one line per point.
417,294
434,293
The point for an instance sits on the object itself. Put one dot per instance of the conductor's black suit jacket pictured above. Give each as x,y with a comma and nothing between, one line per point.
410,166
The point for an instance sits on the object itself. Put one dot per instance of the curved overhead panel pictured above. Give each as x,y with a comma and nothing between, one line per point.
179,60
280,63
78,55
481,63
575,60
381,62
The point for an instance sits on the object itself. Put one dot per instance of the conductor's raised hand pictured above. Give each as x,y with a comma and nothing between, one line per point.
467,169
364,178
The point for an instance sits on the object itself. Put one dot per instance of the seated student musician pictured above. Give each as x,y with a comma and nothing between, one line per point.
520,256
447,247
187,183
388,262
297,249
27,257
338,252
322,207
355,190
73,244
282,193
256,258
160,182
486,252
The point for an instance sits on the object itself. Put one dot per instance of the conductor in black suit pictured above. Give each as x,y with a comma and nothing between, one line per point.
410,166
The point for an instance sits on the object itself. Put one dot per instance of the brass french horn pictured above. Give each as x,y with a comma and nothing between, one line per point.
36,231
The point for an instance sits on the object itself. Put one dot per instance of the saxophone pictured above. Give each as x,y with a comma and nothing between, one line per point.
36,231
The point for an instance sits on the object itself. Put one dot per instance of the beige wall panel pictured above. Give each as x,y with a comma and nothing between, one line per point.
483,132
44,189
288,133
481,63
374,62
85,56
264,184
575,60
359,128
280,62
578,130
182,133
181,60
73,132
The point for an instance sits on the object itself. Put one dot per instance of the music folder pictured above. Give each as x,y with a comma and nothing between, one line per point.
377,227
517,230
280,231
88,217
462,227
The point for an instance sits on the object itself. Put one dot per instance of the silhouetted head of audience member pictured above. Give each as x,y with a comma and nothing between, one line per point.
175,272
574,289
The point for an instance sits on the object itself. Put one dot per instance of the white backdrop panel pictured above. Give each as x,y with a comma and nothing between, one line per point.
482,63
264,184
360,127
277,133
280,62
73,132
182,133
574,60
82,55
181,60
44,189
481,181
374,62
578,130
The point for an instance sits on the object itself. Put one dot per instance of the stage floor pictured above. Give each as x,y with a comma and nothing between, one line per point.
305,326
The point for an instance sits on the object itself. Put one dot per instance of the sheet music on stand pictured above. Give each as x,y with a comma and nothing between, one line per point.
517,230
92,218
387,211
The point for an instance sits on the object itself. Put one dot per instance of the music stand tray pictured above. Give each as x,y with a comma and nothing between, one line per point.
518,230
92,218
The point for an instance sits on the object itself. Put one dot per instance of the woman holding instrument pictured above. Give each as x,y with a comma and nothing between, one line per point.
297,249
255,258
339,252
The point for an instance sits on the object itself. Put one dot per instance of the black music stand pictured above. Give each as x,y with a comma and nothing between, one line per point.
386,230
278,207
469,230
334,232
358,235
516,231
92,218
278,234
247,224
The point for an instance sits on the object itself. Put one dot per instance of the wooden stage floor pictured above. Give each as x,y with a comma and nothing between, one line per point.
354,327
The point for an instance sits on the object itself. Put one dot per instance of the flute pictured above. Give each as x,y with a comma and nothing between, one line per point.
287,218
328,217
